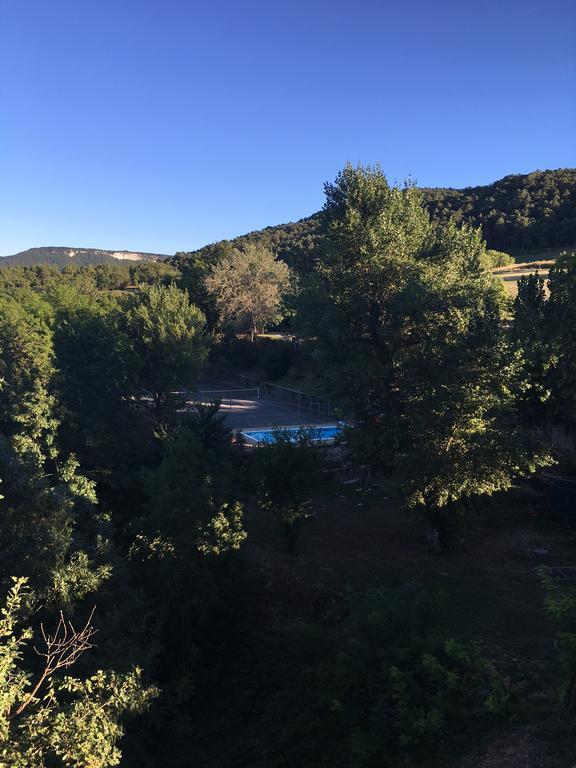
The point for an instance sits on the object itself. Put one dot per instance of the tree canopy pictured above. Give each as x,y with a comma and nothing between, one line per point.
408,315
168,334
249,286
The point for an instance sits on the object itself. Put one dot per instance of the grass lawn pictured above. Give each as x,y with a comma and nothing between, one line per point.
526,263
512,273
541,254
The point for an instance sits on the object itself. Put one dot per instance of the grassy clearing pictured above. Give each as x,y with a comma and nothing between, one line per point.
528,262
511,274
541,254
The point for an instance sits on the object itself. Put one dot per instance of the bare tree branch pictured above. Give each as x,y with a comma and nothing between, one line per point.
63,648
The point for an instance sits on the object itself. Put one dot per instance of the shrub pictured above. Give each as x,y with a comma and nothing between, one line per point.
498,259
276,357
239,353
560,606
381,687
288,476
397,691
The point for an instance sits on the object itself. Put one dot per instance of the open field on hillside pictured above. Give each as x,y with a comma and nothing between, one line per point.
513,272
540,254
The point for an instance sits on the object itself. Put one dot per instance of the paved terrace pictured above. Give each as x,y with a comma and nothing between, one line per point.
247,408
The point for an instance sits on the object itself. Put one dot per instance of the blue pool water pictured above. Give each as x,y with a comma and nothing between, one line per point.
318,434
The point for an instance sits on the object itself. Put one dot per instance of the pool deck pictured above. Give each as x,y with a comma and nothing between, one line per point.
246,412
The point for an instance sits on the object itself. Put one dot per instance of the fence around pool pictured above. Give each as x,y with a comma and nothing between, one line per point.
228,398
295,400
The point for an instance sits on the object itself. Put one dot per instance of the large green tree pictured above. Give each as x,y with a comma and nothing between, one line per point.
50,529
543,329
248,286
185,558
27,405
409,317
168,335
96,378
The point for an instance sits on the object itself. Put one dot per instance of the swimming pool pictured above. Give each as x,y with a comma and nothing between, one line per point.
320,434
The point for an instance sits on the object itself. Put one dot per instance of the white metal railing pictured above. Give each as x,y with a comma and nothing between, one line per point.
228,398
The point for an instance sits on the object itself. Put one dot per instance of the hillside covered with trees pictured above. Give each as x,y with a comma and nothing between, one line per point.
77,257
517,214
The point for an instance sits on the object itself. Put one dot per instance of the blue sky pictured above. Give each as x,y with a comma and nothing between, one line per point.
162,125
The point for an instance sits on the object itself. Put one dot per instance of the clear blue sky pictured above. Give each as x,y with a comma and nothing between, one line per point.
162,125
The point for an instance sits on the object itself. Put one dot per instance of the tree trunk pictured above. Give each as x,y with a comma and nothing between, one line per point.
433,529
253,330
384,355
291,532
570,699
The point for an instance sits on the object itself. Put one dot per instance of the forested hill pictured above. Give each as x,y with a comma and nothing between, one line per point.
293,242
518,214
81,257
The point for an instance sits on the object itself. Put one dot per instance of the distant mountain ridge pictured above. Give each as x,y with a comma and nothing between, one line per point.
519,214
61,256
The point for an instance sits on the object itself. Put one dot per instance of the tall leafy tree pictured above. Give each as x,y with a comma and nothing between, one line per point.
410,321
248,286
543,329
50,530
168,335
95,382
184,558
27,406
191,497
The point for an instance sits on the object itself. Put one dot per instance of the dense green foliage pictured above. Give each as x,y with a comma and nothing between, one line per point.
560,605
103,277
294,243
545,319
516,213
382,686
287,476
127,512
76,363
408,318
